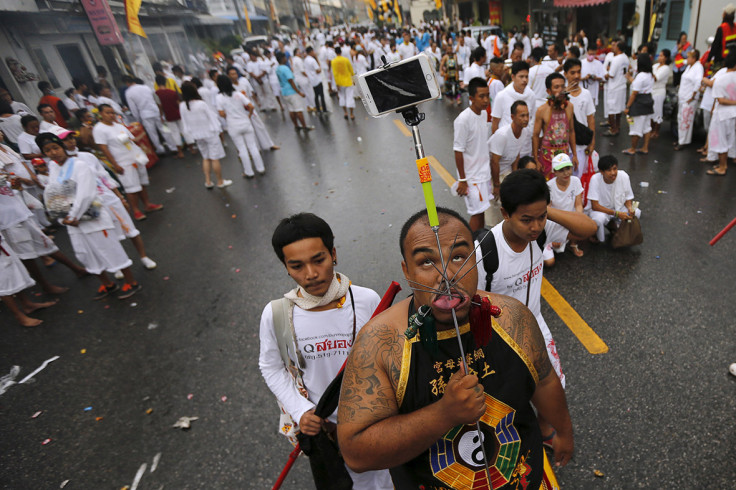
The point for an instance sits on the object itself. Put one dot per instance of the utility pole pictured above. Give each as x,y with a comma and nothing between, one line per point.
240,18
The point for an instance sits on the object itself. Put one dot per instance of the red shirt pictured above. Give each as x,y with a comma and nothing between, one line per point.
54,102
169,103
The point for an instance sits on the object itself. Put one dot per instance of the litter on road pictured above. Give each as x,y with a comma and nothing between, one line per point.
184,423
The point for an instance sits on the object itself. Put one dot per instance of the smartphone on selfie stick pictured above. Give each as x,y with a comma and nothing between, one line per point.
398,86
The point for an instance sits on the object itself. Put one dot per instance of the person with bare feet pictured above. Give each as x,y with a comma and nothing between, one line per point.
24,235
610,196
640,106
13,280
566,193
722,133
89,223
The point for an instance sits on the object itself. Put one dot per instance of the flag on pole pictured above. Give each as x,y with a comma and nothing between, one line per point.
131,15
397,9
247,18
438,4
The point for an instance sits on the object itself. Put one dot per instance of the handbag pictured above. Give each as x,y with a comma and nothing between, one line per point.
583,134
628,234
643,105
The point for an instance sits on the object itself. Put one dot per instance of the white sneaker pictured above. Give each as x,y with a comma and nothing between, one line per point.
148,263
225,183
119,275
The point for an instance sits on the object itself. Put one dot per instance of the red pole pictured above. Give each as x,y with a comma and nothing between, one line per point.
723,232
292,459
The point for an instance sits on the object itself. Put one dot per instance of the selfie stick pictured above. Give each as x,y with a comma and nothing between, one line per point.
413,117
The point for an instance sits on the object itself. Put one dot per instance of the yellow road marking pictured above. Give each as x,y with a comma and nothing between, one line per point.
402,127
444,174
567,313
574,322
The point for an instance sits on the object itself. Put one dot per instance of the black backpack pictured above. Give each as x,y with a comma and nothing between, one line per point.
489,252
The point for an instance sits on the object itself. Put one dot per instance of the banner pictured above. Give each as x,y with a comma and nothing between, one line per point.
494,12
131,14
247,19
103,23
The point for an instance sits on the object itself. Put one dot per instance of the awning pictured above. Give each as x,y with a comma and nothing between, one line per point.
209,20
252,17
578,3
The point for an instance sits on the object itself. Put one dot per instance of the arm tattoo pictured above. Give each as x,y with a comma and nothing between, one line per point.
371,376
521,326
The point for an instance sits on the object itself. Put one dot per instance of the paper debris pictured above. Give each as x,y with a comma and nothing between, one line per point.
152,326
80,311
170,190
88,409
598,473
166,278
97,419
63,484
149,411
9,379
46,441
234,216
184,423
223,398
154,464
83,351
644,184
35,415
138,476
190,396
38,370
133,305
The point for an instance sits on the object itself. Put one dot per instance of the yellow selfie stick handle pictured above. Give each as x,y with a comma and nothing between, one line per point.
425,177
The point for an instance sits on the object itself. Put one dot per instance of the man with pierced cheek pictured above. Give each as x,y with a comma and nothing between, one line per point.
409,404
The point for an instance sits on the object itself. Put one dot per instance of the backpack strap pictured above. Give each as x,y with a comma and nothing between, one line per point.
489,252
282,328
542,239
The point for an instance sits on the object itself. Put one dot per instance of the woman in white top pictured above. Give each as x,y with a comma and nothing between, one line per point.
202,124
662,72
641,86
687,98
237,109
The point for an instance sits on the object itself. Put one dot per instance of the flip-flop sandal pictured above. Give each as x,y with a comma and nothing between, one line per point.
576,251
609,133
642,152
628,152
714,172
547,440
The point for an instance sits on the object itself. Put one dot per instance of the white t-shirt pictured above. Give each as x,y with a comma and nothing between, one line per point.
643,83
725,87
12,208
707,100
583,106
463,55
124,153
663,74
504,143
237,116
611,196
505,99
141,102
594,68
473,71
564,200
406,50
12,127
312,66
27,144
494,87
470,138
690,81
537,76
489,42
115,106
199,120
324,338
617,71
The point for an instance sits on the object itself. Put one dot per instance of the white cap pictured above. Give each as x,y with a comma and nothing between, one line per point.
561,161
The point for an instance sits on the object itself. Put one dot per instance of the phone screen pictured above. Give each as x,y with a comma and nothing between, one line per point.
398,86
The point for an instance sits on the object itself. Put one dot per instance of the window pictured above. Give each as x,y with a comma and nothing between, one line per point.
674,21
46,67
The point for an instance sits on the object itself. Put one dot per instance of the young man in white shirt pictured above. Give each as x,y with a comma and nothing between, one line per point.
142,104
314,74
591,74
610,196
583,108
518,89
471,154
126,158
519,241
407,49
538,74
321,317
616,88
476,68
505,149
463,55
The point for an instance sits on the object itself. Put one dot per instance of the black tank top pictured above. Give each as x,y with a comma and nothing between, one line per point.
511,434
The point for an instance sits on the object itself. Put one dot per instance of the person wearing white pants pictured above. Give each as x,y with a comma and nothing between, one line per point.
610,196
662,73
142,105
687,98
237,109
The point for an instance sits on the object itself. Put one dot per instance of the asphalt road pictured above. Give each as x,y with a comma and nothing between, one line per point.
656,411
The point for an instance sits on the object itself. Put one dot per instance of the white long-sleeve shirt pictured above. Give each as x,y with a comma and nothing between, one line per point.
141,102
324,339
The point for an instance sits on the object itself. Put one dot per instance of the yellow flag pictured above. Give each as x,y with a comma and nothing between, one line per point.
247,18
438,4
131,14
371,4
397,9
